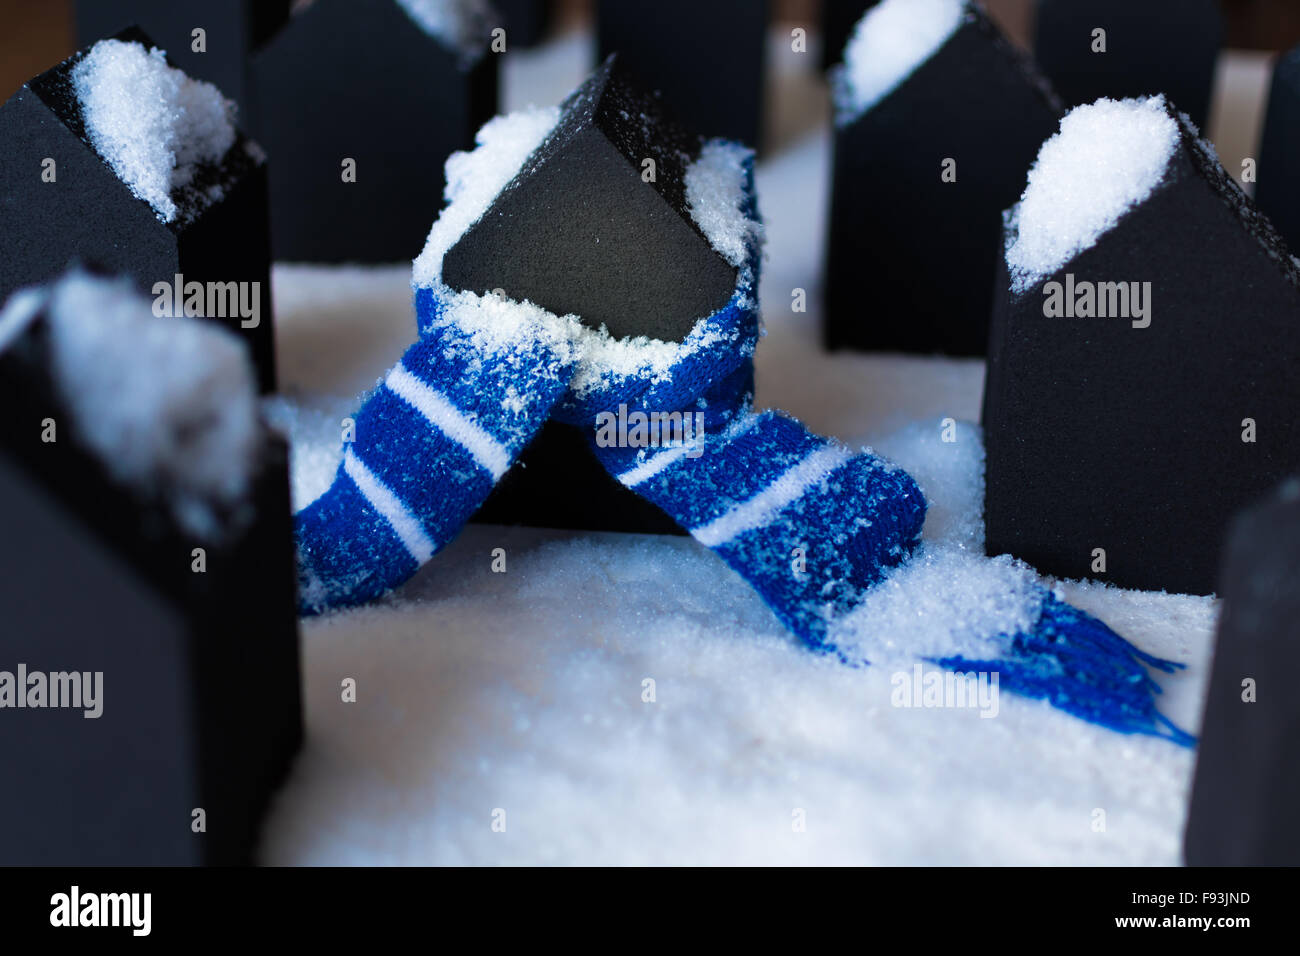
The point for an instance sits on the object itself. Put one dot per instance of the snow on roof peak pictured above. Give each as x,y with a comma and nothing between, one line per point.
886,47
461,25
1108,157
169,405
150,122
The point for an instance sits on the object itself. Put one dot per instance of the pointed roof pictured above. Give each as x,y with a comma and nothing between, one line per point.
596,222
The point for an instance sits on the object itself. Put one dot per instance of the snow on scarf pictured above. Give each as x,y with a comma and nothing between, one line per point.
824,534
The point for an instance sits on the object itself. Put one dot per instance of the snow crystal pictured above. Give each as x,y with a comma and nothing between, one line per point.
715,196
150,122
888,44
168,404
949,473
942,603
1108,157
461,25
949,599
497,325
716,184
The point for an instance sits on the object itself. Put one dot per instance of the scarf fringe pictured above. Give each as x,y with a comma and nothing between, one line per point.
1079,665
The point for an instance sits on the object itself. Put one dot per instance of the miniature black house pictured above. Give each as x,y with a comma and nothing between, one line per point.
919,181
1247,782
706,59
198,693
1150,46
1120,441
651,273
526,21
1278,188
359,105
61,201
221,55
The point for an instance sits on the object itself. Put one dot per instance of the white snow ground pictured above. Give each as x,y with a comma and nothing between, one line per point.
522,692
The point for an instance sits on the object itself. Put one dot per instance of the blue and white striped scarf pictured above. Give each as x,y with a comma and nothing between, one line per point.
812,526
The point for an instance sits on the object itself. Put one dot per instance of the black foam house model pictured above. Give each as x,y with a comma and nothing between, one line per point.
580,231
1278,187
359,105
149,688
526,21
1247,783
920,176
1126,424
706,59
62,201
213,40
1123,48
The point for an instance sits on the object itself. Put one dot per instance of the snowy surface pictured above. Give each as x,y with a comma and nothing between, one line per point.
1108,157
887,45
168,404
150,122
523,691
